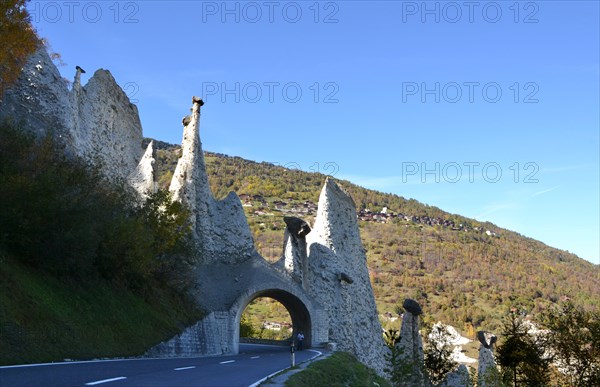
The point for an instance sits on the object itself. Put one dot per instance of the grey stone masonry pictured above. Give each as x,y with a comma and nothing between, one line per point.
209,336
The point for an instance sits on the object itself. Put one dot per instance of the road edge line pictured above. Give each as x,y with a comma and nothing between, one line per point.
105,381
255,384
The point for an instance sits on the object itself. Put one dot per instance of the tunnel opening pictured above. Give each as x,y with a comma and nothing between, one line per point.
265,319
276,317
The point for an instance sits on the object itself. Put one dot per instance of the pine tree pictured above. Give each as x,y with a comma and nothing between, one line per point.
438,353
521,354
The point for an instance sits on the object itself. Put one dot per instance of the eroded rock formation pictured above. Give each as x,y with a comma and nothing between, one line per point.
487,371
39,101
411,343
96,122
295,259
322,278
335,248
106,126
458,378
144,178
220,227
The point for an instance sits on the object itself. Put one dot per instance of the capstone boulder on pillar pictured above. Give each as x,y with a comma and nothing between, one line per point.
411,344
487,371
220,228
295,258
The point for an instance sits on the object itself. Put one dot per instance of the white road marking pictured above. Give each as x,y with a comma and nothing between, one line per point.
226,362
105,381
184,368
255,357
61,363
255,384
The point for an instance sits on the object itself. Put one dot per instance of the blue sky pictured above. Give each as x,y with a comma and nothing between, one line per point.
485,109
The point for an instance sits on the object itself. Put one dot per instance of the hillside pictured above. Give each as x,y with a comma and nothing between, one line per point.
46,319
465,273
85,272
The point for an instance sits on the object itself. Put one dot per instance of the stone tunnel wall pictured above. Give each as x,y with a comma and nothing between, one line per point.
218,332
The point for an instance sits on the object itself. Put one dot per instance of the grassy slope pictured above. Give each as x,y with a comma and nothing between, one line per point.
340,369
43,319
464,278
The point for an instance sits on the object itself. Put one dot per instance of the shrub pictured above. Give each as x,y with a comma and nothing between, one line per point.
63,216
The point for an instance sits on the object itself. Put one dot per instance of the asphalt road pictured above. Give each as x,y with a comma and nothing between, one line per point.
252,364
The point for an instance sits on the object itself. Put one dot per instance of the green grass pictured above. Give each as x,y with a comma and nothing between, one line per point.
43,319
340,369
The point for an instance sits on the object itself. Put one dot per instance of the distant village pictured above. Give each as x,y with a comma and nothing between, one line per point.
277,325
308,208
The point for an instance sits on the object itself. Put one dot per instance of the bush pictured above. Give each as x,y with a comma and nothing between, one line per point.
573,340
340,369
62,216
438,353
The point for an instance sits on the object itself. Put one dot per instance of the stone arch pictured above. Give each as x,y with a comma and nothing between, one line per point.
300,309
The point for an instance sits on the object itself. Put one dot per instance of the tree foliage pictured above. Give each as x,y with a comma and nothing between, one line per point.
438,353
61,215
398,368
521,354
18,40
573,339
246,327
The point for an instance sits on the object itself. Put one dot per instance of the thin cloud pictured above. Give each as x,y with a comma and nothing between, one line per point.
375,182
496,207
544,191
413,179
565,168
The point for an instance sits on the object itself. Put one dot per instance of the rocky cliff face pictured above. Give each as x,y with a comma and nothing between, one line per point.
458,378
144,179
96,122
339,278
106,125
220,227
39,101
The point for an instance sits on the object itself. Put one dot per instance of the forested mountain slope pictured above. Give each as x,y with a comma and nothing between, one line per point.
464,273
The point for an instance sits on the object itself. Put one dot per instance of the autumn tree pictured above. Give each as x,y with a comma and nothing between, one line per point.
18,40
